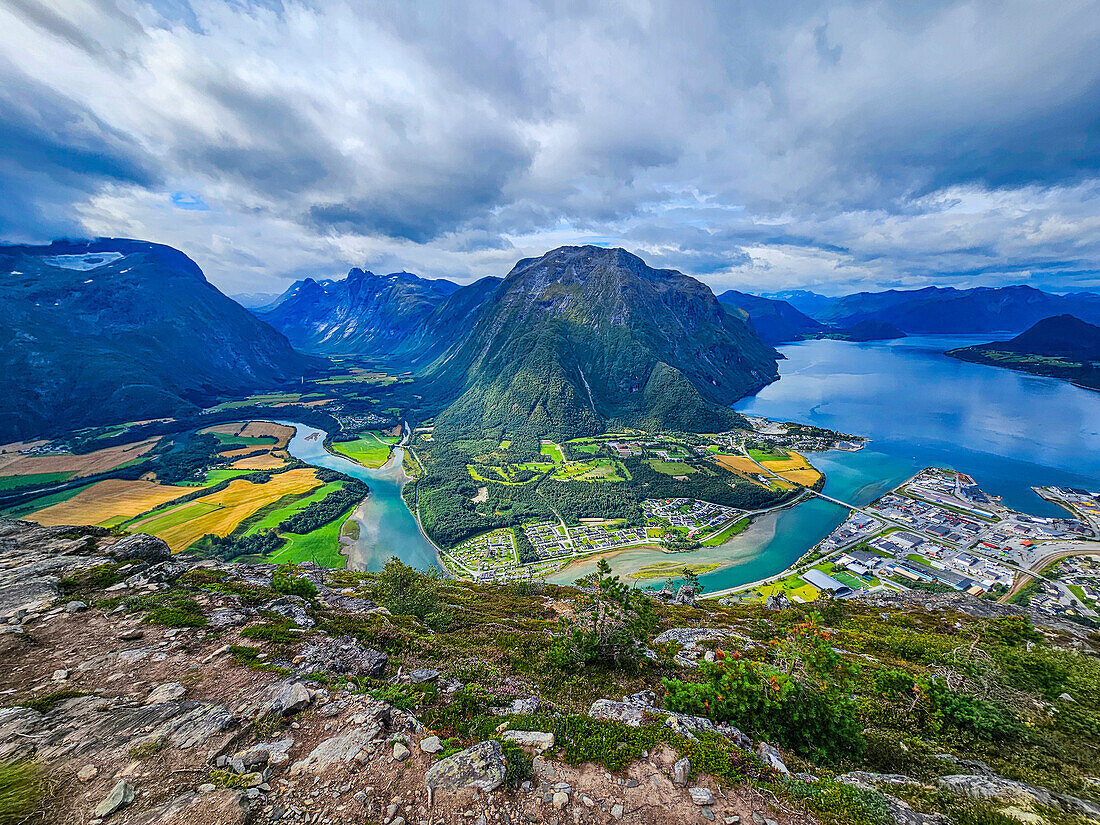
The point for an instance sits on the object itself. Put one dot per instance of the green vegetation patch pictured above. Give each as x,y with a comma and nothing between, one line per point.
371,450
32,480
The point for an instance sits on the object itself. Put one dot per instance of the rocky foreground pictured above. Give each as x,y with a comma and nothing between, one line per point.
125,702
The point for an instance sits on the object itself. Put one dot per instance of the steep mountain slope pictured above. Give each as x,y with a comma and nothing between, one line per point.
117,330
775,321
364,314
949,310
1060,347
586,337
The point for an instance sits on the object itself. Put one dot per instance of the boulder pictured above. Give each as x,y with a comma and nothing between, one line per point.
121,795
431,744
338,750
293,608
701,796
140,547
519,707
419,676
343,656
481,766
1006,790
289,697
771,757
226,617
680,772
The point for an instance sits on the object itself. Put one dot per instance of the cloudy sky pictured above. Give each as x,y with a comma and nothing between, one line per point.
763,146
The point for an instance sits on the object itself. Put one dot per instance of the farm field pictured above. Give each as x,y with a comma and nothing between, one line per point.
220,512
671,468
33,480
371,450
738,464
320,547
275,513
99,461
794,468
108,503
267,461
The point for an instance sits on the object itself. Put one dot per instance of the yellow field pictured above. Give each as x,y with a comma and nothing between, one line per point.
108,502
257,429
738,463
807,478
795,469
267,461
13,464
220,512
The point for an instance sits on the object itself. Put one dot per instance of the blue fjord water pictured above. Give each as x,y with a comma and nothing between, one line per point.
920,408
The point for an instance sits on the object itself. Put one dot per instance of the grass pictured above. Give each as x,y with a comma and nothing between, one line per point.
370,450
321,547
771,454
671,468
32,480
46,703
275,513
22,790
672,569
596,469
728,532
554,451
40,503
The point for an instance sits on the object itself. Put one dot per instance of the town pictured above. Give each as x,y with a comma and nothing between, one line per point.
941,533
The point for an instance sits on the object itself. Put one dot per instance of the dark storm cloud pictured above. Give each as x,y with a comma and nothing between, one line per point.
801,143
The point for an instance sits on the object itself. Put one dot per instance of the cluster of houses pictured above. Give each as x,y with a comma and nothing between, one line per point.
698,517
598,537
549,539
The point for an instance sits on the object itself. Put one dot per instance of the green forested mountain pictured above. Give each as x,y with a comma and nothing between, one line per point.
586,337
117,330
1060,347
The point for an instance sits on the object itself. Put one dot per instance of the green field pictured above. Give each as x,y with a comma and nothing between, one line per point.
554,451
596,469
772,454
727,532
41,503
287,506
32,480
320,547
370,450
671,468
176,516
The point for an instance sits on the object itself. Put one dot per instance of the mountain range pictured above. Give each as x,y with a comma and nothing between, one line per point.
117,330
363,314
947,310
1060,347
